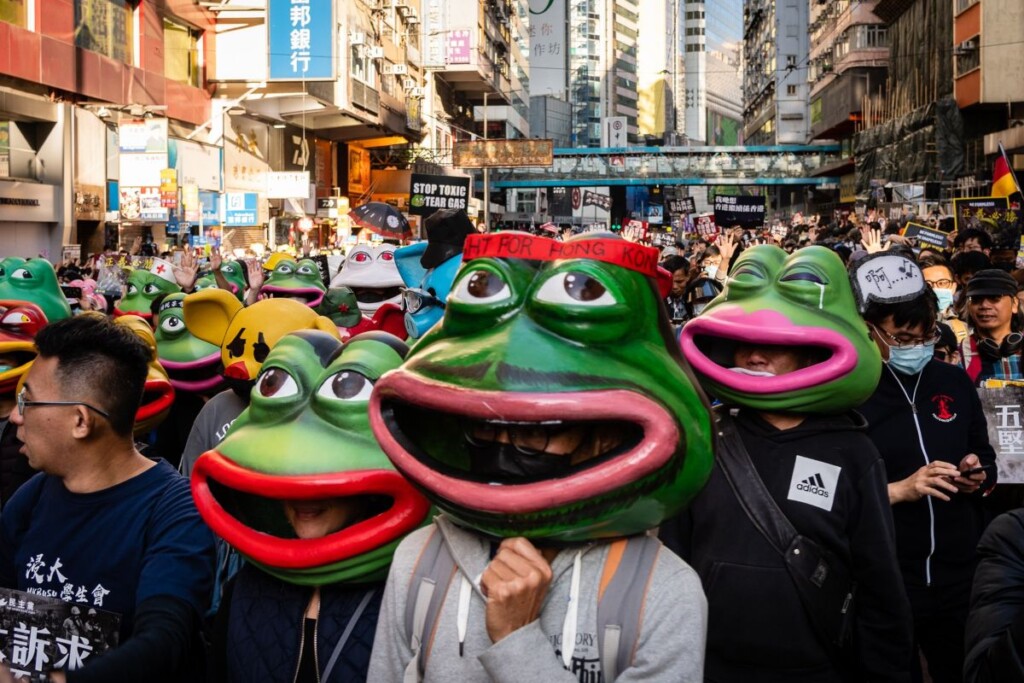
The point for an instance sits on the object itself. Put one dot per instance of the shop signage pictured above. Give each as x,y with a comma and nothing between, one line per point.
300,36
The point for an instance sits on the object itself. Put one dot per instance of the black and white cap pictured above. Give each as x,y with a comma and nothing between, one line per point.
886,278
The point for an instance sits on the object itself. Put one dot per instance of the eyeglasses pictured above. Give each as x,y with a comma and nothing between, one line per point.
940,284
905,342
416,299
24,403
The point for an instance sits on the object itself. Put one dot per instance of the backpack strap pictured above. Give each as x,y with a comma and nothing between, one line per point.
625,579
428,589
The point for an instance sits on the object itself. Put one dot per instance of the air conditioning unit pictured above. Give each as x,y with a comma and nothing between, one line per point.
416,92
968,45
399,69
409,83
375,53
357,38
387,69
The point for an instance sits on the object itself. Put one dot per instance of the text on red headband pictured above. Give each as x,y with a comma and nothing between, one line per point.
522,245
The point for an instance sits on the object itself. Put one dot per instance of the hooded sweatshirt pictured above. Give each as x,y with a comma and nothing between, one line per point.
671,634
828,479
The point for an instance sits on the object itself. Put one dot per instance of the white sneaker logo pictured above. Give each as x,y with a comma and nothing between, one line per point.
814,482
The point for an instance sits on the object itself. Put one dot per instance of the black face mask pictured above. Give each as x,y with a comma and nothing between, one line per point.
241,387
502,462
1010,345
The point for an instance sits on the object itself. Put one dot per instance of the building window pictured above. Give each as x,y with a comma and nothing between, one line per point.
106,26
361,68
181,53
790,61
14,12
967,56
791,90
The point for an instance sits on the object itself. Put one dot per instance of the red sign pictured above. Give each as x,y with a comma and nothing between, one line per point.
525,246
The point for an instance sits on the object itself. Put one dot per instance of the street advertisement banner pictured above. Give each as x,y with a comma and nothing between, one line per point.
547,47
241,209
503,153
300,39
428,193
288,185
732,210
458,46
169,188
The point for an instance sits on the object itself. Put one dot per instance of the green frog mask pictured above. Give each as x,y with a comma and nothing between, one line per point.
306,437
143,288
295,280
801,301
34,281
551,401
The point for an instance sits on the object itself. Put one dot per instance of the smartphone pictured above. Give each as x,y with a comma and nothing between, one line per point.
71,293
973,470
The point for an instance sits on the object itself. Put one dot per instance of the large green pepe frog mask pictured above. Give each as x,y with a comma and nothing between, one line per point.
35,281
804,302
143,288
306,437
295,280
192,364
551,401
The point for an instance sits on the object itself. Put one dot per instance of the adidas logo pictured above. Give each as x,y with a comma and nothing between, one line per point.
813,484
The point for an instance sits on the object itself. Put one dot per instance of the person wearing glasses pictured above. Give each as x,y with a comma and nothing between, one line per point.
101,524
993,350
926,420
939,276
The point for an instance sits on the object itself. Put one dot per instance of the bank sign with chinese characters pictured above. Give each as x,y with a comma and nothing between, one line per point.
300,38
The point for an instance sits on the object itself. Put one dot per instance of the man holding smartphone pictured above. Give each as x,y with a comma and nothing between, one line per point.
926,420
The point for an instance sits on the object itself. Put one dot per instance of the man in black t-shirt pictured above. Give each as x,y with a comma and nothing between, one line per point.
102,525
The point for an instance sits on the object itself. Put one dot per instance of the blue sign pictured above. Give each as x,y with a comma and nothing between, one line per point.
301,40
173,225
241,209
210,201
113,196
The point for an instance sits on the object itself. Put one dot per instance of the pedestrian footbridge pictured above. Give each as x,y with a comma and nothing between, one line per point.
741,165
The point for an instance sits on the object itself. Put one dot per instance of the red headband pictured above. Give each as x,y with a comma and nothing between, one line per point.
617,252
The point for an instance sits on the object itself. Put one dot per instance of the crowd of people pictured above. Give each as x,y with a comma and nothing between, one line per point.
752,456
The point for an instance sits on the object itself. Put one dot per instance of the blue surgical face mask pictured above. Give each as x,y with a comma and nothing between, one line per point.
912,360
945,297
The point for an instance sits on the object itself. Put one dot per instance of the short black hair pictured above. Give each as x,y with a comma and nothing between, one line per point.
932,259
922,310
969,262
984,239
674,263
99,360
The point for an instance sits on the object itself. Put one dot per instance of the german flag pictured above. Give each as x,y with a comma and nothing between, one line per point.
1004,182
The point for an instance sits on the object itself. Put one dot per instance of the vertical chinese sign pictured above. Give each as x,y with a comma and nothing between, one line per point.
1002,406
548,52
300,37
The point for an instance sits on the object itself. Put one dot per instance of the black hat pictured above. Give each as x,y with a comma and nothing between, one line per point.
992,282
446,232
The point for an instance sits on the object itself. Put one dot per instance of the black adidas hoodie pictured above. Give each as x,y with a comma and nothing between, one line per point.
952,425
829,480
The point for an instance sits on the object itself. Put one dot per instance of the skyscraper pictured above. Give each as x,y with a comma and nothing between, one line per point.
775,50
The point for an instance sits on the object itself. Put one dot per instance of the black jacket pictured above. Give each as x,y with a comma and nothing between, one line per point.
14,467
952,425
259,629
828,479
994,640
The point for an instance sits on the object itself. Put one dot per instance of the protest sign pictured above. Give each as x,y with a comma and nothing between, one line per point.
706,225
682,205
1002,407
976,212
747,212
41,634
428,193
927,237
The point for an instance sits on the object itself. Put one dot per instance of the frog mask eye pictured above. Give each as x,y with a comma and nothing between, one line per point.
347,385
481,287
276,383
575,288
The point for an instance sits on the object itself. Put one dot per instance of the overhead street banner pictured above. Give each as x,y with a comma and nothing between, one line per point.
732,210
428,193
601,201
300,39
503,153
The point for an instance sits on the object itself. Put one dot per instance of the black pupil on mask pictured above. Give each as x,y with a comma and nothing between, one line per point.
583,287
348,384
272,382
483,285
237,346
260,350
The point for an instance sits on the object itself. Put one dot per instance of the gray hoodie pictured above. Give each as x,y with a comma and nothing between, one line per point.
671,636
